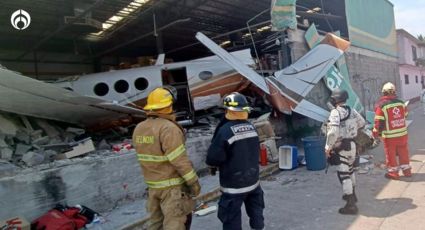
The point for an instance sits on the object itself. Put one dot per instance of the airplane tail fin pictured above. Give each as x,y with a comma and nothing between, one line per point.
303,75
293,82
160,60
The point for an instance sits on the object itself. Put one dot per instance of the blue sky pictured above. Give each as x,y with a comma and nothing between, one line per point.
410,15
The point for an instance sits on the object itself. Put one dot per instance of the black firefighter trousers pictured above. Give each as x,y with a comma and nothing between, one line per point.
229,209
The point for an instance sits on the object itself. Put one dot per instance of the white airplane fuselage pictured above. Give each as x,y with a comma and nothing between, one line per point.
205,77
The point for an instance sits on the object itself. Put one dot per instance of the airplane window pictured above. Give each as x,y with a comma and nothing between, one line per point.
121,86
141,83
101,89
205,75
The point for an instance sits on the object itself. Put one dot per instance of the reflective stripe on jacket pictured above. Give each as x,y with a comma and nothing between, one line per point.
161,152
390,118
235,150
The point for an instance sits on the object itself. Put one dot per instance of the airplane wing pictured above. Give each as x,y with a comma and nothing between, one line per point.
238,65
27,96
242,55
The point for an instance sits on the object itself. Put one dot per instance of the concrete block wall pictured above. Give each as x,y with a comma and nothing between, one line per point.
96,181
368,72
197,148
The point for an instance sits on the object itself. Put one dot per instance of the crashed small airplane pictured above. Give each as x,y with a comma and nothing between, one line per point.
104,97
203,77
287,89
200,83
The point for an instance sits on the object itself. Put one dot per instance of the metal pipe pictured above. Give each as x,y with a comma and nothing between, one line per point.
252,37
42,41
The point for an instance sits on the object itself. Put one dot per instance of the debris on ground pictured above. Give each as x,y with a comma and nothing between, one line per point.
380,165
363,160
123,147
81,147
15,223
205,210
364,170
289,181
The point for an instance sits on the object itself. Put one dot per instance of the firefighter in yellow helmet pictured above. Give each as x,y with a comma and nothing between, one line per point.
160,145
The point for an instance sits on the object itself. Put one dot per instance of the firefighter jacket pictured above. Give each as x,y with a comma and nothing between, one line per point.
160,147
343,123
390,118
235,150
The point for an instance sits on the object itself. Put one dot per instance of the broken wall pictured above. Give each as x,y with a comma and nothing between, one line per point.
97,182
369,70
100,182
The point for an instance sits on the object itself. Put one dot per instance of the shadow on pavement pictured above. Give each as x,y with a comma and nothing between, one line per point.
383,208
416,177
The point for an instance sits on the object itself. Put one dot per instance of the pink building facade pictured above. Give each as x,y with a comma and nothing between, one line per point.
411,52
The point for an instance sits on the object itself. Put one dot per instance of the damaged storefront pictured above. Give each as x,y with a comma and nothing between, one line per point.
68,140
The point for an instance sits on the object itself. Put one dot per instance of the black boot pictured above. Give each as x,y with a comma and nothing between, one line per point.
350,208
345,196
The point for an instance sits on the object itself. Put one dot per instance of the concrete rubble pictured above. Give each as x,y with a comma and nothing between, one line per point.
27,141
33,158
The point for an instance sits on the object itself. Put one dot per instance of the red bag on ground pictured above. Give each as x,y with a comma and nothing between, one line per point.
53,220
74,214
69,219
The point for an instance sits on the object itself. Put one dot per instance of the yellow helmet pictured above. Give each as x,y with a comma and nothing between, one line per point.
159,98
388,88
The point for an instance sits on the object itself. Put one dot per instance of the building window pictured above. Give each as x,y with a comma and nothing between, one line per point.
416,79
406,79
414,53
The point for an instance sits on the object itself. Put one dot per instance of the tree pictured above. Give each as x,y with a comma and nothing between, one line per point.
421,38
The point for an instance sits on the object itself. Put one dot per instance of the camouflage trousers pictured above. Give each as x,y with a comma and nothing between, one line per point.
346,174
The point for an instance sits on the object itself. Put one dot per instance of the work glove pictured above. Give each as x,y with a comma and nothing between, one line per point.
376,142
195,189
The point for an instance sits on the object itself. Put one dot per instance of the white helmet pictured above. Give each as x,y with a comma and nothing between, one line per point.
388,88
